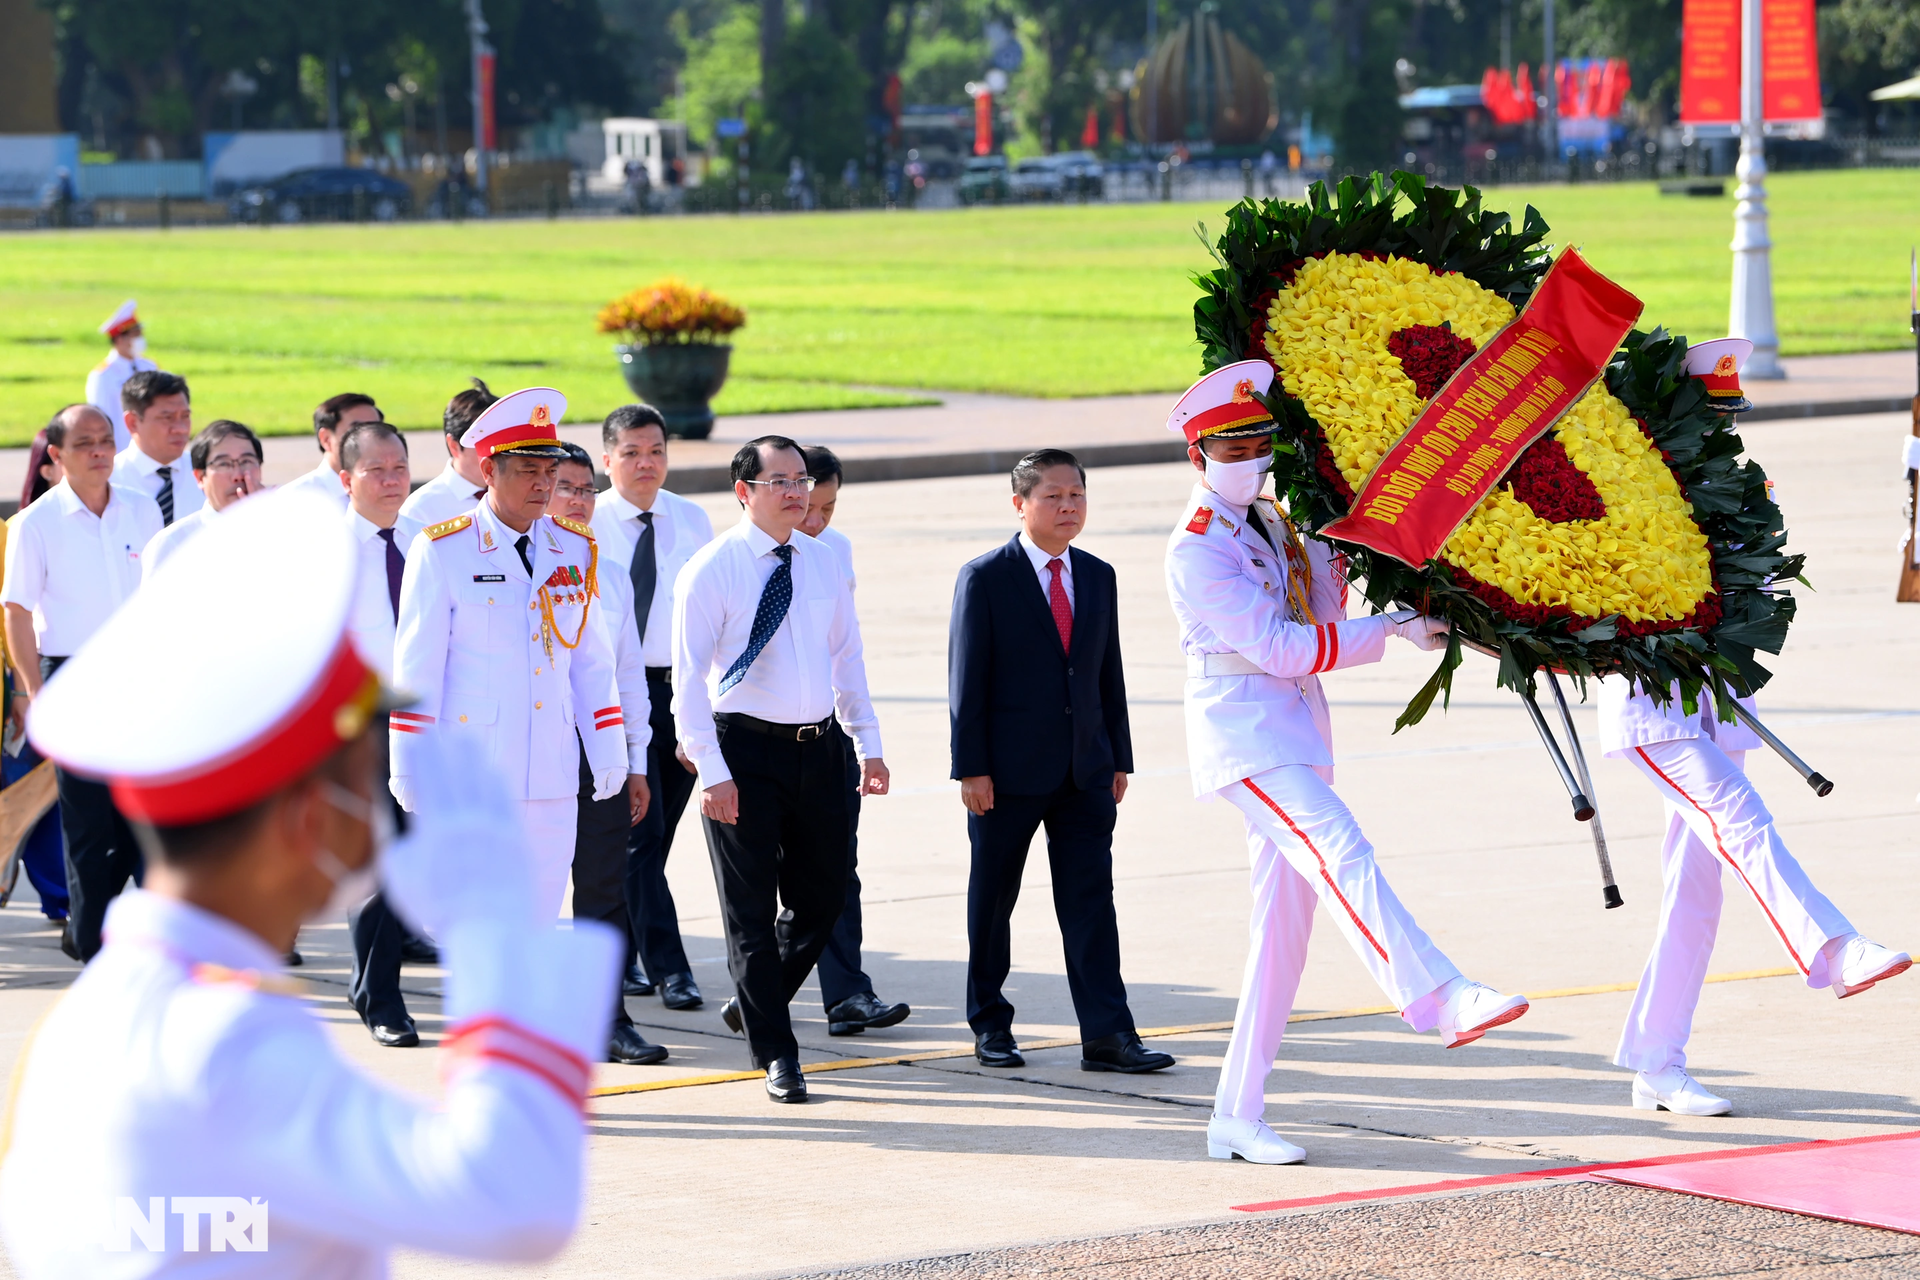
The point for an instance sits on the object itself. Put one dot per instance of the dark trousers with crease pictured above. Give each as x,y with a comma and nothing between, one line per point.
789,849
655,921
1079,827
101,852
600,866
377,933
841,976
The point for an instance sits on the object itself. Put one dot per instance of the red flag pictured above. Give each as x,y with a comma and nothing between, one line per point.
1090,136
983,125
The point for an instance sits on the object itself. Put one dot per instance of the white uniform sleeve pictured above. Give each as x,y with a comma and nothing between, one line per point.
419,656
850,701
630,672
698,616
1207,578
596,696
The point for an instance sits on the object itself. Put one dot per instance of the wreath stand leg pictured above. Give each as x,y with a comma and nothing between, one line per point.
1821,787
1609,891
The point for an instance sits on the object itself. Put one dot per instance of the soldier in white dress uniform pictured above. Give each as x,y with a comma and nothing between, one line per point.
127,358
476,584
1261,614
180,1110
1715,818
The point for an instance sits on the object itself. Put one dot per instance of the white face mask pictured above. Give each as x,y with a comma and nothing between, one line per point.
139,347
353,886
1238,482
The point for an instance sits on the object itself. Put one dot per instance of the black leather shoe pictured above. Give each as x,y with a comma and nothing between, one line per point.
730,1014
70,948
294,960
635,983
784,1081
419,951
627,1045
997,1049
397,1033
856,1013
1124,1053
678,991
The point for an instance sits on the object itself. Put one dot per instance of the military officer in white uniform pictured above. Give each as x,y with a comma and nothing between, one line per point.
1715,818
474,587
180,1109
127,358
1261,614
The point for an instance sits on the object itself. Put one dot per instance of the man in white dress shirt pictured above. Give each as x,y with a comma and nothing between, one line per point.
332,419
846,992
603,827
373,457
768,677
181,1110
459,486
226,458
159,415
127,358
473,586
74,557
1262,612
646,536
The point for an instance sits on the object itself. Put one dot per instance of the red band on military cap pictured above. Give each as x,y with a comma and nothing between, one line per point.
131,322
335,709
1225,417
518,438
1726,386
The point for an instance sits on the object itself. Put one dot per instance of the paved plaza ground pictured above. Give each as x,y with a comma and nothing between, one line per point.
939,1159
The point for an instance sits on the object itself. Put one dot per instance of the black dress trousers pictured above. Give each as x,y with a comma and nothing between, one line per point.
377,934
789,849
600,864
841,976
655,920
102,854
1079,825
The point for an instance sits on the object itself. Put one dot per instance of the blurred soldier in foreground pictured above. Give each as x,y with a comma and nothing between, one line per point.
180,1103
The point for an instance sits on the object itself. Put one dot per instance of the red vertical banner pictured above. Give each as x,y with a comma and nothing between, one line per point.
485,67
983,125
1790,80
1710,62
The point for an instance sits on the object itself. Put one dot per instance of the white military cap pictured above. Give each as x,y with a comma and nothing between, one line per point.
1718,364
525,423
1222,404
121,321
253,611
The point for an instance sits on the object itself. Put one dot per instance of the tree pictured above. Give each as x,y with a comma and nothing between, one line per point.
1865,44
816,102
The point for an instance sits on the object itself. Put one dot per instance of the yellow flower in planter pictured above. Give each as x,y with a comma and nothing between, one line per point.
670,310
1591,520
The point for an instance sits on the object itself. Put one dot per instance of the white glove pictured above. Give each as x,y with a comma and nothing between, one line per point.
465,858
610,782
402,789
1423,632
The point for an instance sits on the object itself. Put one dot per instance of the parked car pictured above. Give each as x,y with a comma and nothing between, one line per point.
984,180
334,192
1082,175
1037,178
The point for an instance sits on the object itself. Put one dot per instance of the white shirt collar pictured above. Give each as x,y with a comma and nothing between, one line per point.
624,510
1208,498
360,527
138,460
1040,555
70,503
758,540
190,934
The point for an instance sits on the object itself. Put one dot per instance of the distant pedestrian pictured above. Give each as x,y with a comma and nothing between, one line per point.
332,419
158,412
459,486
226,458
648,534
846,992
769,677
127,357
72,559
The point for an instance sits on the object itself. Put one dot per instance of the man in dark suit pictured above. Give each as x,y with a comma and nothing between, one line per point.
1039,711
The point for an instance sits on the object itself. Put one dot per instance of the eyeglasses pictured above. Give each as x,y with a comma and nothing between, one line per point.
222,466
575,491
803,485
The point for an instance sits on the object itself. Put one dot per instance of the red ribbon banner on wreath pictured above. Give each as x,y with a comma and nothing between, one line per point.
1496,404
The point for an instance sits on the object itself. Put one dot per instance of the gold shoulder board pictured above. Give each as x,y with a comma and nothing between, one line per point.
447,528
574,526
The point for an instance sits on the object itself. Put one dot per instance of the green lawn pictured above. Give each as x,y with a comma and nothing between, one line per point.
1040,301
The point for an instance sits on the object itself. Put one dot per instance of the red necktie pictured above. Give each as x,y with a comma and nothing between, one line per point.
1062,611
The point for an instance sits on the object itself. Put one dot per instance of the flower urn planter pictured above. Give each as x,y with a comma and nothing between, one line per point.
679,379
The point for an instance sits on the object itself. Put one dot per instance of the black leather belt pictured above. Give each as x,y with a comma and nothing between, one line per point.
662,674
790,732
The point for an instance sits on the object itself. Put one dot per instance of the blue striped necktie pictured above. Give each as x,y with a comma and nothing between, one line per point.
775,598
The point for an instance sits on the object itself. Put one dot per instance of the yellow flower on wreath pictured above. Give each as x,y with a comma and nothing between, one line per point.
1645,559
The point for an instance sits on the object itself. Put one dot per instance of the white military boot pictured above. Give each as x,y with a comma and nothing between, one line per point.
1861,963
1251,1140
1471,1010
1672,1089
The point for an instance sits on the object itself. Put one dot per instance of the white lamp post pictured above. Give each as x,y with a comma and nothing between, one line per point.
1751,314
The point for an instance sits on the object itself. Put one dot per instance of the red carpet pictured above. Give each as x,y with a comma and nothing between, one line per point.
1873,1181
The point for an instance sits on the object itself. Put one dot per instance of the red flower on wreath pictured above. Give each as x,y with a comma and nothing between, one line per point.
1429,354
